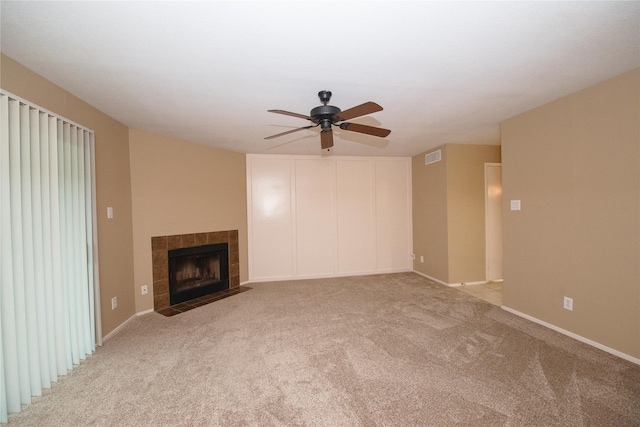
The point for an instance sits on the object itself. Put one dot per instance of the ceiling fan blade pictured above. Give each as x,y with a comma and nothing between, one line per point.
369,130
357,111
289,113
326,138
289,131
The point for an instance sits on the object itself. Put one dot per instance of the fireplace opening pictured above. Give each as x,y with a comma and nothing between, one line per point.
197,271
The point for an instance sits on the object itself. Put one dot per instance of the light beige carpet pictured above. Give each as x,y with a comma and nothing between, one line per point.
384,350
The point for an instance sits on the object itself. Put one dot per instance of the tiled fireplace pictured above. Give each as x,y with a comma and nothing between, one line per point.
161,245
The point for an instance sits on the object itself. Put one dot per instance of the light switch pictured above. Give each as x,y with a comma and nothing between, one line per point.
515,205
109,212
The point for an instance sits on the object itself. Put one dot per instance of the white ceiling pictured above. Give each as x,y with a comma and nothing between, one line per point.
445,72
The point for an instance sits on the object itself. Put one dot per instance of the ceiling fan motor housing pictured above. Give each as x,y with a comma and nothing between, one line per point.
324,115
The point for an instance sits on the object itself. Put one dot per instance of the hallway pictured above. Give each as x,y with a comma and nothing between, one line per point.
490,292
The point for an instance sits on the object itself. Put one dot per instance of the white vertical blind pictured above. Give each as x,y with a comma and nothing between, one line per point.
48,257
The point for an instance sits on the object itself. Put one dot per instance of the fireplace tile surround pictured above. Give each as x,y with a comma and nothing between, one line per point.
161,245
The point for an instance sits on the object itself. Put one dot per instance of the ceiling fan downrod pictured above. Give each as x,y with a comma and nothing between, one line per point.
325,96
324,114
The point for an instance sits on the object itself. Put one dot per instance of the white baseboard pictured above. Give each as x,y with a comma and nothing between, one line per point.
324,276
122,325
118,329
451,285
574,336
482,282
433,279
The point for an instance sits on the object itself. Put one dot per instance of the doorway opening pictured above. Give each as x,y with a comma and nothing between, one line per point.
493,225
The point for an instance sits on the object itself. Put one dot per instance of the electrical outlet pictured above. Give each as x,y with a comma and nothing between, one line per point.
114,303
422,259
144,290
568,303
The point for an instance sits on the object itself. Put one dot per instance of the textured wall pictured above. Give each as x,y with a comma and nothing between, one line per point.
574,164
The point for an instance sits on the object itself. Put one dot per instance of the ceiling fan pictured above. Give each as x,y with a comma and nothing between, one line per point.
327,116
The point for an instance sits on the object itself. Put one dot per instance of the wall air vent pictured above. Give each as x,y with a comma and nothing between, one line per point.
434,156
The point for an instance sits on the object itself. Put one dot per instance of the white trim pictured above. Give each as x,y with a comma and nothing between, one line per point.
118,329
248,168
451,285
325,276
431,278
486,218
481,282
293,211
574,336
142,313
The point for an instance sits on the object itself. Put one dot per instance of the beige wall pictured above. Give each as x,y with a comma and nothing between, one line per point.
449,212
180,187
430,237
574,164
466,210
112,182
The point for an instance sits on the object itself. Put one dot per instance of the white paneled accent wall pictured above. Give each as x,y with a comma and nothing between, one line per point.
314,216
315,206
270,202
356,217
391,243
